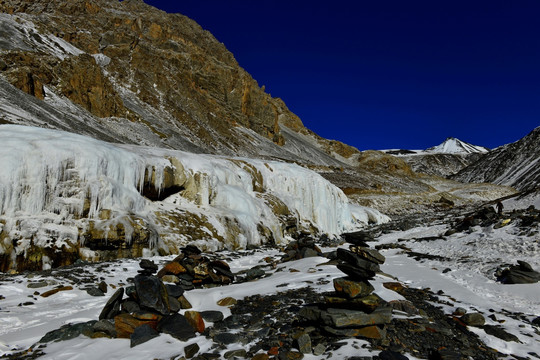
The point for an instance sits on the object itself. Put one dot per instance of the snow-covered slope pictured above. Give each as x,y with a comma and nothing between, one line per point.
58,188
444,160
516,164
455,146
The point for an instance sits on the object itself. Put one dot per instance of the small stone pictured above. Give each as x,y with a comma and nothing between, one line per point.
103,287
174,305
304,343
148,265
291,355
233,354
394,286
170,279
228,301
459,311
94,291
69,331
174,290
125,325
212,315
196,320
260,356
142,334
54,291
319,349
184,303
172,268
255,273
191,350
36,285
473,319
391,355
352,288
226,338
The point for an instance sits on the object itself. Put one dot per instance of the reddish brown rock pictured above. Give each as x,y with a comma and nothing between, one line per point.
352,289
54,291
195,319
125,325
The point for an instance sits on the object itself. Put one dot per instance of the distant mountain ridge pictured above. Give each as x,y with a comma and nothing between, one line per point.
516,164
445,159
455,146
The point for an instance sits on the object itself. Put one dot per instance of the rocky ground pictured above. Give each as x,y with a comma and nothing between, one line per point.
300,322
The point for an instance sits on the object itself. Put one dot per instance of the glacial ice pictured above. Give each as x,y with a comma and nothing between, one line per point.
56,180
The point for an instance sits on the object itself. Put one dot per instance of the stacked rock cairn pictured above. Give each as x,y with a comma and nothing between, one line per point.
353,310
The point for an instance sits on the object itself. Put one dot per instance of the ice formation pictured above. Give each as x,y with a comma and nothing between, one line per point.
57,181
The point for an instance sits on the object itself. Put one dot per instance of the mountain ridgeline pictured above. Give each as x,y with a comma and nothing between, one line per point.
129,73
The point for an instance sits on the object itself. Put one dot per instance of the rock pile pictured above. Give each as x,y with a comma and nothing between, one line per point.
149,308
522,273
353,309
302,248
191,269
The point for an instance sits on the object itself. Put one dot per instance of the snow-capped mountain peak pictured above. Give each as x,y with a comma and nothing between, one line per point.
455,146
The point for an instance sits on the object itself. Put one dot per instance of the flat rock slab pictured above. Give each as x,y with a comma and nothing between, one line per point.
152,294
344,318
112,307
351,288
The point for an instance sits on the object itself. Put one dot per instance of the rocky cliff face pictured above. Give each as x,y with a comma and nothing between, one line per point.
140,75
516,164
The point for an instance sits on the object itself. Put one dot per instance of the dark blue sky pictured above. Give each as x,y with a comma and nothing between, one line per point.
384,74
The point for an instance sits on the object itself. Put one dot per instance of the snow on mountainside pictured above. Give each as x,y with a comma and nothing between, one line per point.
516,164
91,199
444,160
455,146
130,73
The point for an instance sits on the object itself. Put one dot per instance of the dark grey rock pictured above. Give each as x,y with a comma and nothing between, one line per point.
391,355
142,334
226,338
177,326
148,265
103,287
355,260
174,290
112,307
212,315
340,318
358,237
152,294
130,306
234,354
474,319
69,331
37,285
191,350
255,273
310,313
356,273
308,252
94,291
106,326
174,305
500,333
